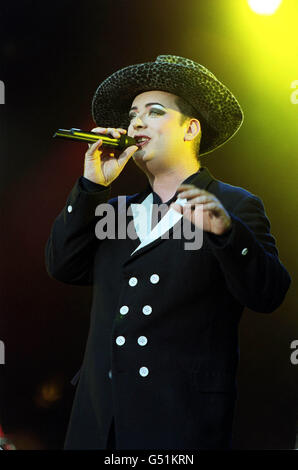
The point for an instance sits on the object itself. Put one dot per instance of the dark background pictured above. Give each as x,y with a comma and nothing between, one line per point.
53,57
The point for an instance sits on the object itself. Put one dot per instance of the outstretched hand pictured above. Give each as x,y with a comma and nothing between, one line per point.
215,217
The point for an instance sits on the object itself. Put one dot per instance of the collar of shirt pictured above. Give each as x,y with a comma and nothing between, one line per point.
157,200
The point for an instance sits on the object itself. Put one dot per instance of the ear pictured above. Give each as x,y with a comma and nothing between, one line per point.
193,129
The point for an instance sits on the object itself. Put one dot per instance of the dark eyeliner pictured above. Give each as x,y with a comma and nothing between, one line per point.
158,111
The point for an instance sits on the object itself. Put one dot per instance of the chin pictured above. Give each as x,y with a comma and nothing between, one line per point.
138,160
143,160
141,155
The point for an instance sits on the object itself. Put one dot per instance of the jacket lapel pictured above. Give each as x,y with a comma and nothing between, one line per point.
146,235
142,218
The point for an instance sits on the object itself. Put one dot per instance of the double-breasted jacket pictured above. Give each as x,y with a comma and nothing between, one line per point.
162,351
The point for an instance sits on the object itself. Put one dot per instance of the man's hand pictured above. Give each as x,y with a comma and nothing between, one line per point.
103,165
215,217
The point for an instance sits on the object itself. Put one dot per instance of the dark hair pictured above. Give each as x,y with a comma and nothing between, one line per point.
188,111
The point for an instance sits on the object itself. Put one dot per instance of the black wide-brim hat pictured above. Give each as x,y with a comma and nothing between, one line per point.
216,107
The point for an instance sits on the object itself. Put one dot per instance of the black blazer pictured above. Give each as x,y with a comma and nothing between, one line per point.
162,351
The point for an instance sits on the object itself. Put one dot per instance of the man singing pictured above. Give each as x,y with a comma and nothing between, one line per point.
159,369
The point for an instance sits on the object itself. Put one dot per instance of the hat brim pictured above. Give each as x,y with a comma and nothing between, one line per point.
217,108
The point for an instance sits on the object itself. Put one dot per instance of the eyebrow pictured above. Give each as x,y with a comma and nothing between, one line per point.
146,105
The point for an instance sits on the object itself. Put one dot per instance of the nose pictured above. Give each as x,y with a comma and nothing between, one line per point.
137,123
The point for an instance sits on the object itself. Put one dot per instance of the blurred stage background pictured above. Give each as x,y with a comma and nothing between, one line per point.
53,57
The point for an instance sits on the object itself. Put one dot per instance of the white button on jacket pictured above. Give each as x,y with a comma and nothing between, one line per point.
120,340
147,309
143,371
124,309
154,279
69,208
142,340
244,251
133,281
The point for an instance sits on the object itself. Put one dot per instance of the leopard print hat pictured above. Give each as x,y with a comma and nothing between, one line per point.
217,108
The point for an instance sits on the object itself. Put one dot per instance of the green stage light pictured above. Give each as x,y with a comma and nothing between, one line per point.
264,7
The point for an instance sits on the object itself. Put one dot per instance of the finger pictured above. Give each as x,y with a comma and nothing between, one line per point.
182,190
114,132
93,147
212,206
201,200
100,130
187,212
190,193
184,187
108,130
126,154
176,207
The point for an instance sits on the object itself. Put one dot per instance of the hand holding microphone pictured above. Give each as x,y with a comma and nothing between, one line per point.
103,165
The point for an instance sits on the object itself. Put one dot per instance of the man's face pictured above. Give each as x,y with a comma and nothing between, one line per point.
155,114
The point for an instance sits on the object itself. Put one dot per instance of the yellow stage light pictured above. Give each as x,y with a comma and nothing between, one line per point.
264,7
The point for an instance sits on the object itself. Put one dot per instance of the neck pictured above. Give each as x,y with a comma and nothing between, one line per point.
165,184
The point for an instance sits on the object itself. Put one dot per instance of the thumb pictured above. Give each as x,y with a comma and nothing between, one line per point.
126,154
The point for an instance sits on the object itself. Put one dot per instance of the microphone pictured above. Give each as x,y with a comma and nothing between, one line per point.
78,135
